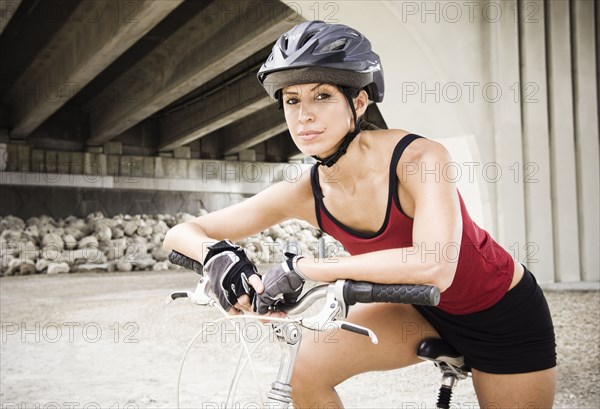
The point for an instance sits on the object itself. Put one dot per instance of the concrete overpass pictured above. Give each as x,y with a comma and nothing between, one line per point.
153,106
139,89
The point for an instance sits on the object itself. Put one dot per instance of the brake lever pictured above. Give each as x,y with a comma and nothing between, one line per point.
327,315
333,313
200,296
357,329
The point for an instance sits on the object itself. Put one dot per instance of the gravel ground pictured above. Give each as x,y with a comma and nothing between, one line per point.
109,340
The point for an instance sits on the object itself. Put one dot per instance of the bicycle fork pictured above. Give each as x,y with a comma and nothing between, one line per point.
288,336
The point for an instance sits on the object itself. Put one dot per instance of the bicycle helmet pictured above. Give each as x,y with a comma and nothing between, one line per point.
318,52
315,51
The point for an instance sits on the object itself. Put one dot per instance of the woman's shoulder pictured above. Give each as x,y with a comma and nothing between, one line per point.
296,192
384,141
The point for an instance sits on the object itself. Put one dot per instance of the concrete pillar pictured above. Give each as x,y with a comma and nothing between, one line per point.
113,148
37,160
586,134
562,134
247,155
182,152
535,171
24,155
508,136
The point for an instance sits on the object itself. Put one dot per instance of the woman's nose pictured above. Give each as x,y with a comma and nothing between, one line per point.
305,113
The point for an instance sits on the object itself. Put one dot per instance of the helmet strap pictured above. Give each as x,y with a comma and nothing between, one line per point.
330,160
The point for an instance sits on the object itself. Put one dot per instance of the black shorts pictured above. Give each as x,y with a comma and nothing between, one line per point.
515,335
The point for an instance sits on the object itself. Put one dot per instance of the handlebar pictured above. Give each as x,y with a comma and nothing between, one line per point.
349,292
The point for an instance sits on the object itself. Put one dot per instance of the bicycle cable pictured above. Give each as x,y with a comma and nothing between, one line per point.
244,346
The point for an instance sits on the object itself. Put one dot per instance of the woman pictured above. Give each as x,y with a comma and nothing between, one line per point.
374,190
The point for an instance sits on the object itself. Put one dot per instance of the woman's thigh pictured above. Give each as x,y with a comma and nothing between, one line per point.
531,390
329,358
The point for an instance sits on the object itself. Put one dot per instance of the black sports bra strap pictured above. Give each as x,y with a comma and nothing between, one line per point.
398,150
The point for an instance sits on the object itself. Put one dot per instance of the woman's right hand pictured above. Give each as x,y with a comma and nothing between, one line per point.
233,276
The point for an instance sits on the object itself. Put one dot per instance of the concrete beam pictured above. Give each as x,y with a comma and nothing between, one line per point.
224,34
244,134
508,134
233,102
565,206
98,33
536,147
8,8
586,135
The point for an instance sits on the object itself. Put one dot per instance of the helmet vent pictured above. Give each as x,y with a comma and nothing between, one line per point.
285,42
336,45
306,39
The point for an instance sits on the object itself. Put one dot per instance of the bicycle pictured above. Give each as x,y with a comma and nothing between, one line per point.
339,296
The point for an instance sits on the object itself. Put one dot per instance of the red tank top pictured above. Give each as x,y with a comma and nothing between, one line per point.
484,271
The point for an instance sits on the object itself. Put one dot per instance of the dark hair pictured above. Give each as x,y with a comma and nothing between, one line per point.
364,125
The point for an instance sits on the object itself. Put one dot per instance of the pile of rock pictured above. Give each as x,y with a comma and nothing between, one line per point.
124,243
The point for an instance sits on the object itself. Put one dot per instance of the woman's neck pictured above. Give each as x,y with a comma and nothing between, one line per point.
351,167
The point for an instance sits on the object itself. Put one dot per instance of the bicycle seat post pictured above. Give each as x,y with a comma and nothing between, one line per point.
288,336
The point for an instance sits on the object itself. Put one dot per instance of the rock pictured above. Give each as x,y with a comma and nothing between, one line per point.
137,246
126,242
143,229
114,250
90,267
103,233
83,256
13,266
32,233
70,241
29,251
11,235
169,220
156,240
123,266
56,268
88,241
5,261
117,232
11,223
144,263
41,265
160,254
130,228
184,217
26,267
75,232
161,266
53,240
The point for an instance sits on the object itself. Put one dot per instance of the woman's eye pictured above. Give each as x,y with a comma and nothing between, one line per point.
291,101
322,96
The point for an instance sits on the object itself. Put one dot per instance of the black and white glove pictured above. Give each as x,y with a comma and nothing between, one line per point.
284,281
229,270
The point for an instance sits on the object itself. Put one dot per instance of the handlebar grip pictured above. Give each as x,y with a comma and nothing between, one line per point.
364,292
184,261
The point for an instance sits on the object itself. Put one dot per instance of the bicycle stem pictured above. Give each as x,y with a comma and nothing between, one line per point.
288,336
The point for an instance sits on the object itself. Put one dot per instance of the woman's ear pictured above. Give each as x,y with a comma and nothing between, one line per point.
361,102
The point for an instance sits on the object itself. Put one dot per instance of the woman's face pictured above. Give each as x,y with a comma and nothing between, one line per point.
317,116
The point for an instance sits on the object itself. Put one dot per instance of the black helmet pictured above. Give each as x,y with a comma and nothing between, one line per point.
315,51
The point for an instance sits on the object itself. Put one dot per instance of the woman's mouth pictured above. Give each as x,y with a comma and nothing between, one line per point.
309,135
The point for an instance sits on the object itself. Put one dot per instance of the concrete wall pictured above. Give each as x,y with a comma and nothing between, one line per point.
59,183
510,87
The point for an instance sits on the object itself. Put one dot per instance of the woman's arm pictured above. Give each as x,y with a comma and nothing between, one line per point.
278,202
437,229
